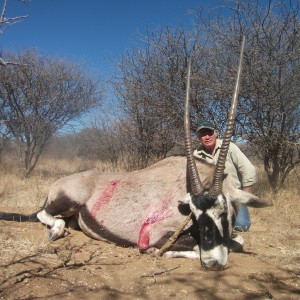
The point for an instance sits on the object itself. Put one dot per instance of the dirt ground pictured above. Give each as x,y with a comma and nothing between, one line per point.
77,267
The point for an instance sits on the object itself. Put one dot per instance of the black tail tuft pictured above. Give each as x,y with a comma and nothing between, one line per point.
19,217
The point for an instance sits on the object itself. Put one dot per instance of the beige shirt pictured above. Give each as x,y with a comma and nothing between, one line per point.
237,164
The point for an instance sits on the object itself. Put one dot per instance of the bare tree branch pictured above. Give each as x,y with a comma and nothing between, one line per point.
6,23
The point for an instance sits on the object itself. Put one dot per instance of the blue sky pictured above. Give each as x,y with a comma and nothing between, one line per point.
91,32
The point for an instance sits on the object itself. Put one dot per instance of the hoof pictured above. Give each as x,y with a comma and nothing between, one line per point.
52,236
236,243
57,230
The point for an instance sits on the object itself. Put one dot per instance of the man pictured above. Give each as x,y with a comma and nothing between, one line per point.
237,165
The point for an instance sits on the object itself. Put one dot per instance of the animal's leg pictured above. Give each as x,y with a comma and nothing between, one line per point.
185,254
57,225
236,243
173,254
152,251
72,222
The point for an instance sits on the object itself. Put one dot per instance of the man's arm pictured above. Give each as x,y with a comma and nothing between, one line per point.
244,167
248,189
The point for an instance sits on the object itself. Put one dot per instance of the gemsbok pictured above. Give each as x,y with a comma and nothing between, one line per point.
145,207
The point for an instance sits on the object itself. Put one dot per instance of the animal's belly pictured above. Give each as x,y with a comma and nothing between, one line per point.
121,233
136,223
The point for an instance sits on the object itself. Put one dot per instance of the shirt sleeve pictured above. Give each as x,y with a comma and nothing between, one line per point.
245,169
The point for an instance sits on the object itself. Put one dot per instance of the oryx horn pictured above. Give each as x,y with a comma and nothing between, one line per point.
196,186
216,187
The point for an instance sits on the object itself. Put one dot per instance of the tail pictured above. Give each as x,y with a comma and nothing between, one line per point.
19,217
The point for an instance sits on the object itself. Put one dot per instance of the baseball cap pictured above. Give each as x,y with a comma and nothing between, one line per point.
205,124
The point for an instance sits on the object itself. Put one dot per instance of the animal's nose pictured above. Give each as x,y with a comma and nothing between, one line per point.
214,265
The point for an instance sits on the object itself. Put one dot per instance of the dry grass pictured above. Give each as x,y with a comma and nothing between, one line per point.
279,225
285,202
29,245
15,191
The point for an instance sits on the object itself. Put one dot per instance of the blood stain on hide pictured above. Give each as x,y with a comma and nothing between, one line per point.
161,213
105,197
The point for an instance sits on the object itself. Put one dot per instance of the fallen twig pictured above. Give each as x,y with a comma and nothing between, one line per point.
174,237
160,272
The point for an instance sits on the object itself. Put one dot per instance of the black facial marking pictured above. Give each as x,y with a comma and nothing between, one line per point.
204,202
210,236
209,233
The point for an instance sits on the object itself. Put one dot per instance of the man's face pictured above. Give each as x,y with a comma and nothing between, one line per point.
208,138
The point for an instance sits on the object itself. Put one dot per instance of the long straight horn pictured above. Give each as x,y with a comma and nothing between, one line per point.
196,186
216,187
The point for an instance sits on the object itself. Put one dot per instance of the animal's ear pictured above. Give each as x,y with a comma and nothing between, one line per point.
184,205
250,200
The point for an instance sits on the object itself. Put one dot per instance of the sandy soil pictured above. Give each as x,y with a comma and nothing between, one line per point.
77,267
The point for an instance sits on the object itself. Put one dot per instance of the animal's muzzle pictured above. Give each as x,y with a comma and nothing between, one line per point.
213,266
